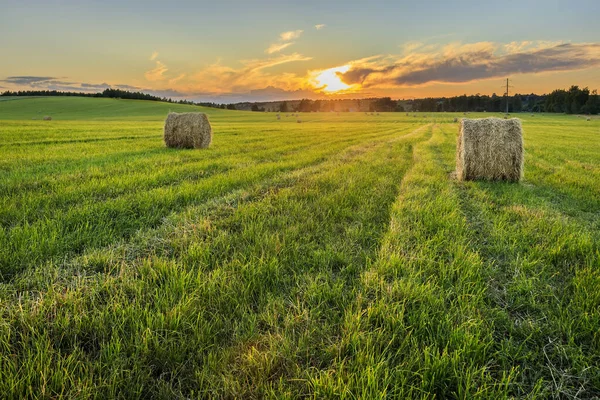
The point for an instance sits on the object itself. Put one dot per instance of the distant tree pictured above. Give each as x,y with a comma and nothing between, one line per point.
283,107
231,107
592,105
255,107
517,104
305,105
383,104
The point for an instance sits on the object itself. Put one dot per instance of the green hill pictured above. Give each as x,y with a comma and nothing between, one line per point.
84,108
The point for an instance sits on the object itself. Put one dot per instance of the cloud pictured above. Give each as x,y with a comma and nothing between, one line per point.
94,86
252,74
28,80
164,92
277,47
52,83
284,41
290,35
269,93
320,26
458,63
157,73
172,81
126,87
154,55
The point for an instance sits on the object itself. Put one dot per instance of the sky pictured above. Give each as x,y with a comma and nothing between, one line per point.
231,51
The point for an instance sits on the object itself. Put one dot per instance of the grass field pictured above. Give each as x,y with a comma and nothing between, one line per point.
329,259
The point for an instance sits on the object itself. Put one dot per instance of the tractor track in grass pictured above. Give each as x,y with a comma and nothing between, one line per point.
71,141
169,178
24,260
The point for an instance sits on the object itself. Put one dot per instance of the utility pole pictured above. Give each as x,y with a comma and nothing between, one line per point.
506,94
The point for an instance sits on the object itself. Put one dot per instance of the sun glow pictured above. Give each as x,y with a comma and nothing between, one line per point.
329,81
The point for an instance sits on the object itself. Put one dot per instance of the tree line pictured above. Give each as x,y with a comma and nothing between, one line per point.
572,101
110,93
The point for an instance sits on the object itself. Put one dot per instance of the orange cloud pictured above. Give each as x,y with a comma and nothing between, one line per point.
290,35
277,47
253,74
157,73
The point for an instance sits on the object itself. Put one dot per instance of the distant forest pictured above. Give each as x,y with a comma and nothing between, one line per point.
572,101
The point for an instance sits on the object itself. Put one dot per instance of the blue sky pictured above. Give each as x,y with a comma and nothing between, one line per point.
220,49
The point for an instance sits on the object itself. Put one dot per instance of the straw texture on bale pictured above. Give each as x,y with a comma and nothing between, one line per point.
490,149
187,131
47,118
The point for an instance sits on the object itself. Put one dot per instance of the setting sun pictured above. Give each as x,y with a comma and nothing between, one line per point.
329,81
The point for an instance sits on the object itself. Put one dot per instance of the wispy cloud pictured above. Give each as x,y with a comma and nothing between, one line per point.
28,80
127,87
277,47
284,41
173,81
154,55
320,26
290,35
460,63
52,83
157,73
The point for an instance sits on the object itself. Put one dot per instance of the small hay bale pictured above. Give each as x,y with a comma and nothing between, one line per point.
187,130
588,119
278,117
47,118
455,119
299,121
491,149
532,115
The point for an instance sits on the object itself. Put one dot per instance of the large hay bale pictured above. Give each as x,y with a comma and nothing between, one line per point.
187,131
490,148
47,118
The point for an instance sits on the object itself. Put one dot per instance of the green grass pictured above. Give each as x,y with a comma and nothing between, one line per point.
329,259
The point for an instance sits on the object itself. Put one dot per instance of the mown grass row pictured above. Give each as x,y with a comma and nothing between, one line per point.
182,317
481,290
49,217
